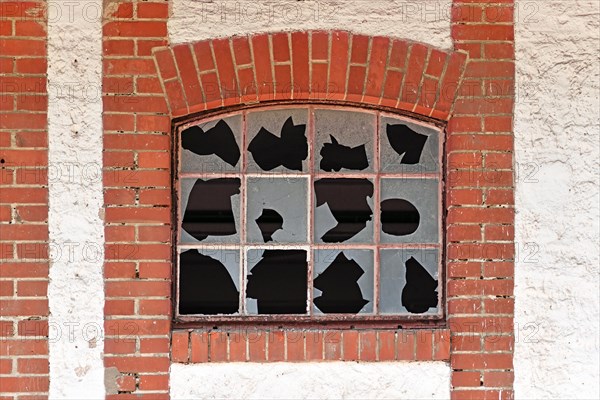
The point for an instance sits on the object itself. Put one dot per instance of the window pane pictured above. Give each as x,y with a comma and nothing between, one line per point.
343,281
409,211
344,141
212,146
278,141
277,281
344,210
407,147
408,281
209,281
277,210
210,210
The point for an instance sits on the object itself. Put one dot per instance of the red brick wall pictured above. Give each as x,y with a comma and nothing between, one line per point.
138,109
137,198
480,203
23,200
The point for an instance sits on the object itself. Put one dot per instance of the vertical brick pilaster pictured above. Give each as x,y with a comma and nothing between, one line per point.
137,199
23,200
480,203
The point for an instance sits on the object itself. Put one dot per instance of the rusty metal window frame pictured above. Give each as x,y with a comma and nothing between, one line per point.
374,320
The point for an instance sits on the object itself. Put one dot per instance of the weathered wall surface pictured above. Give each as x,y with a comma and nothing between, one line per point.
311,381
557,134
425,21
76,289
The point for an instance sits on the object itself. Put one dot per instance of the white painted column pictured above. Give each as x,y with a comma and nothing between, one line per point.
557,221
76,291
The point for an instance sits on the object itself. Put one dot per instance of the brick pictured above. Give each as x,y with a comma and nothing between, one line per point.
256,346
155,270
360,49
337,70
135,364
237,347
276,343
464,306
25,384
406,345
154,233
377,64
281,48
295,345
412,80
218,346
314,345
189,75
351,342
22,47
128,328
368,346
199,347
179,346
466,379
155,345
332,342
320,45
300,67
135,29
152,10
466,342
155,307
118,346
424,340
119,307
24,307
118,47
154,382
32,365
482,32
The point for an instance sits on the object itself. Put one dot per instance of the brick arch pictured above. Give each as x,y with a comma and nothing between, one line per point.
333,66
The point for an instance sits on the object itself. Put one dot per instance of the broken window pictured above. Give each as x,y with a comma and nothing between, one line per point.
308,212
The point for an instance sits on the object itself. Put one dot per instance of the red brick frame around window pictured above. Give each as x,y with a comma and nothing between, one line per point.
470,89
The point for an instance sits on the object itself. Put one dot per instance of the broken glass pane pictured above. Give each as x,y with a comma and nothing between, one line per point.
277,281
343,281
210,210
409,210
277,209
406,147
209,281
344,140
408,281
278,140
344,210
212,146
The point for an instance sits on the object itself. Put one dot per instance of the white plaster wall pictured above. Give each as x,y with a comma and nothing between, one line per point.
395,380
557,139
425,20
76,292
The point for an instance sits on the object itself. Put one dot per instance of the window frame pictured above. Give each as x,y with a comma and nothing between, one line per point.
338,321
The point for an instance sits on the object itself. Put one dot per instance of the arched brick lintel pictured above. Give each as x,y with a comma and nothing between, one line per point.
335,66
